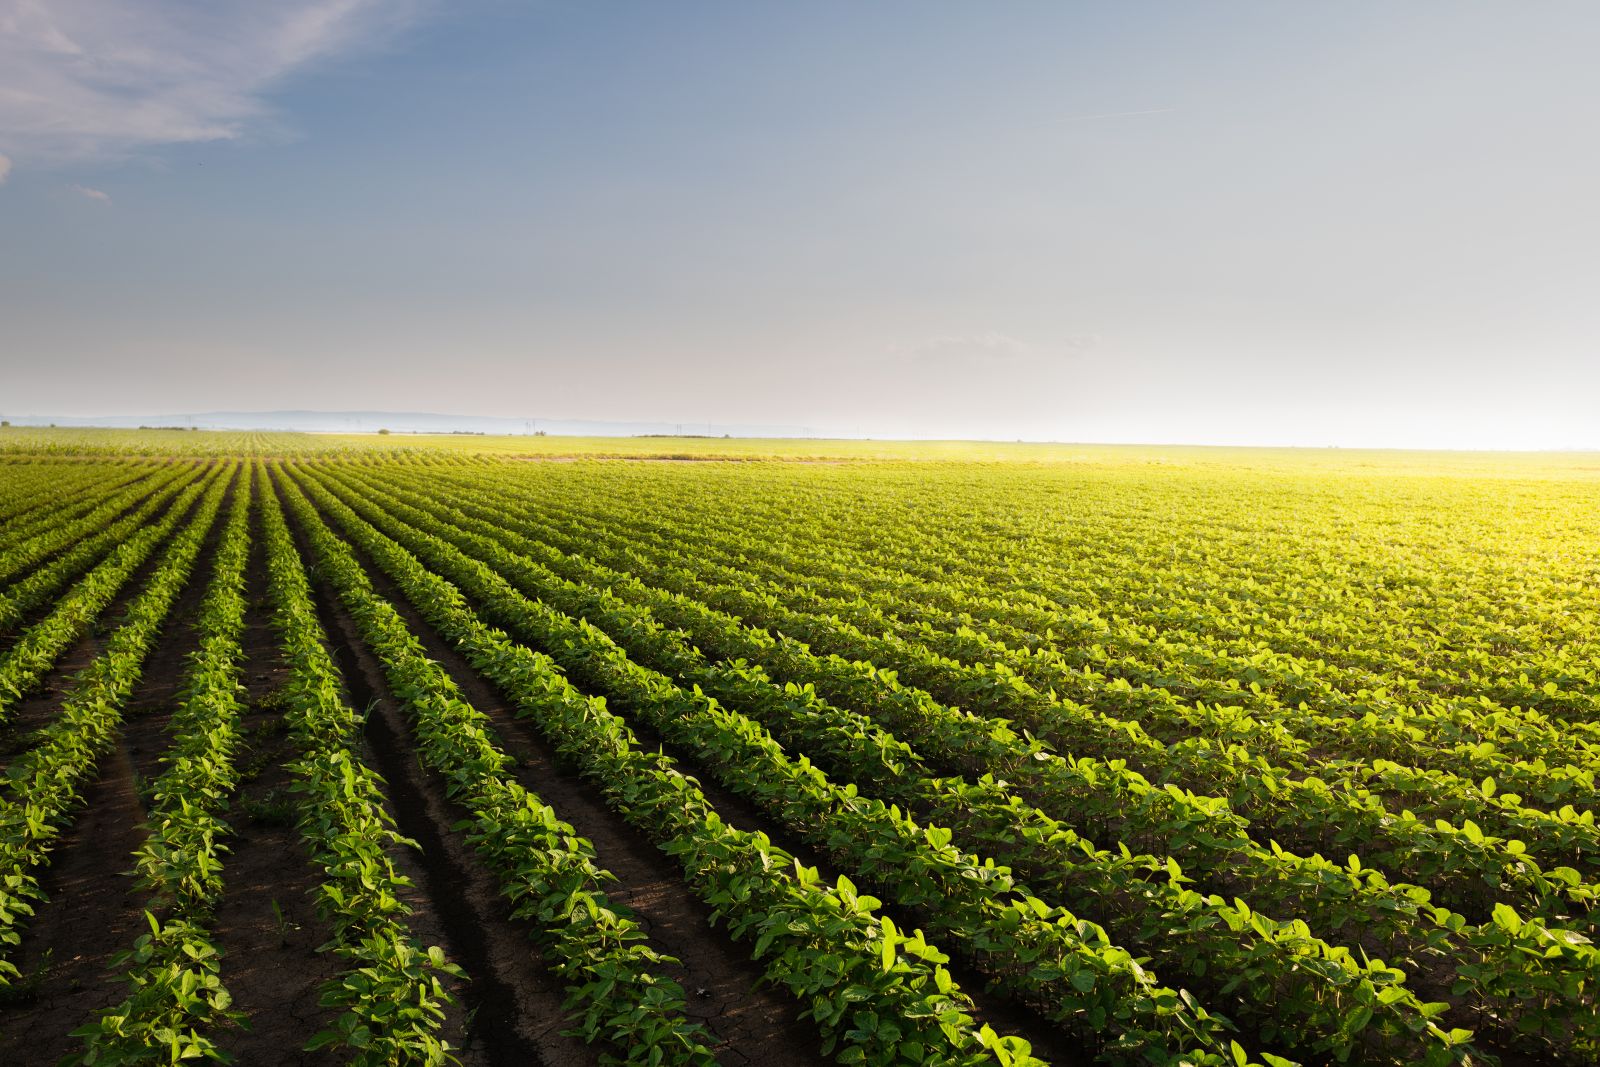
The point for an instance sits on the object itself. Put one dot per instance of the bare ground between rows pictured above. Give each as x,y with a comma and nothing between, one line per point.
266,926
40,708
33,616
46,510
753,1025
91,911
1231,887
1433,983
994,1008
508,1012
1005,1015
1000,1011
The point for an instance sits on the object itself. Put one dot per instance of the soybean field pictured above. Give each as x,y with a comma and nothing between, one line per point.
414,750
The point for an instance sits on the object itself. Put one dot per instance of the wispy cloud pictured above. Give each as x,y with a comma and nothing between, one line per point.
91,194
89,80
5,168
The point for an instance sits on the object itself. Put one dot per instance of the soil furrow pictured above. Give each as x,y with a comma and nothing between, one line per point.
753,1024
56,553
507,1012
267,926
997,1009
91,912
39,708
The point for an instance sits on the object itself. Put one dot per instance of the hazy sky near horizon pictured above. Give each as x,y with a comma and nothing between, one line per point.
1225,222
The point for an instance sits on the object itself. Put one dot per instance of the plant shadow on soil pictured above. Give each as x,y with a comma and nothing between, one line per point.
655,887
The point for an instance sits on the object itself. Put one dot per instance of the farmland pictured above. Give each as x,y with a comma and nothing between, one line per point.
396,749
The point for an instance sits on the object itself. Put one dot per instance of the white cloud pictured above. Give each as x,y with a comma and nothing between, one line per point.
92,194
85,80
5,168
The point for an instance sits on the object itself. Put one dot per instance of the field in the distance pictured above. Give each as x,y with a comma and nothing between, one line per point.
389,749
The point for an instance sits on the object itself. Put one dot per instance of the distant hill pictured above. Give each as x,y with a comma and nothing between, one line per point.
411,422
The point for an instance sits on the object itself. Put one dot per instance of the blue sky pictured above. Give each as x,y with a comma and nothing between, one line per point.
1230,222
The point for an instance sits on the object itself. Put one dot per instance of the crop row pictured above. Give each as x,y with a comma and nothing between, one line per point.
1471,869
46,506
1494,969
390,998
901,542
40,645
1039,952
1077,651
1293,985
1411,650
176,996
1080,651
81,544
546,870
877,994
42,787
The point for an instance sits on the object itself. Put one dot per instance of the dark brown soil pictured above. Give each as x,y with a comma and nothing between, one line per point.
1006,1016
31,617
751,1025
510,1010
267,926
29,514
36,710
90,916
92,911
32,712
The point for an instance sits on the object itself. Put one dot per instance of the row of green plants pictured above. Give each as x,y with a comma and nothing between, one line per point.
1501,625
878,995
35,489
1282,981
1006,930
912,559
24,665
1095,662
1295,989
176,998
1541,977
390,999
1511,966
43,787
29,490
616,991
1285,641
1321,743
1084,657
1469,869
81,544
46,500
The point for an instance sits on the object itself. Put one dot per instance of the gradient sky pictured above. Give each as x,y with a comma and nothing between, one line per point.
1219,222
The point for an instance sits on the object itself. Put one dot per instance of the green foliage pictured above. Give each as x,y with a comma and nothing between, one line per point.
43,786
1206,765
